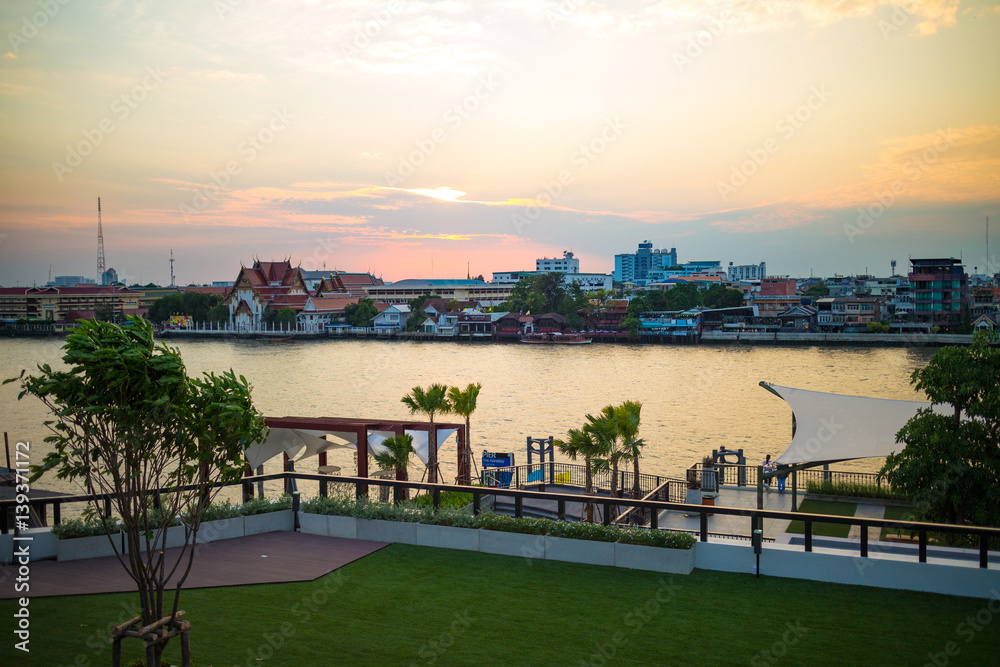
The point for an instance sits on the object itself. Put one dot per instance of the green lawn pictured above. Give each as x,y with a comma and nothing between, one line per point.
409,605
897,514
836,507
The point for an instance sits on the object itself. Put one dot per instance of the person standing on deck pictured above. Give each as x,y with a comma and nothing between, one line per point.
768,465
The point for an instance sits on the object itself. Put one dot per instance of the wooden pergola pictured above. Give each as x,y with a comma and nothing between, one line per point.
362,427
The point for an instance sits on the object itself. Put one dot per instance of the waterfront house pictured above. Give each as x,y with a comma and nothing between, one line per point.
801,319
392,318
550,323
318,312
508,325
475,323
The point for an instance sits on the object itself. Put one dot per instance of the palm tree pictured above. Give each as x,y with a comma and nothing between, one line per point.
581,443
397,457
464,403
430,402
606,434
628,415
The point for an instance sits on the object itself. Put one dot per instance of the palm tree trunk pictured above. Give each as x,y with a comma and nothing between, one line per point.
468,451
636,488
589,490
432,454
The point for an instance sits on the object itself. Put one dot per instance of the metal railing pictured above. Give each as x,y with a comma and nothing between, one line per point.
569,474
731,474
756,517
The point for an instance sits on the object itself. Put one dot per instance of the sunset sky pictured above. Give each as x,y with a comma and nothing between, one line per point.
416,139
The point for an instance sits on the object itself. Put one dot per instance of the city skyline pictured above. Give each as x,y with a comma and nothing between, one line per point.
401,136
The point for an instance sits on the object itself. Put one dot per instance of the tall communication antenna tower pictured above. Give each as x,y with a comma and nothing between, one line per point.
892,263
172,268
100,244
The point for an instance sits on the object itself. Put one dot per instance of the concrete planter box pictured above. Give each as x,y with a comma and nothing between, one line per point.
579,551
43,544
269,522
88,547
342,526
378,530
511,544
220,529
7,548
448,537
656,559
314,524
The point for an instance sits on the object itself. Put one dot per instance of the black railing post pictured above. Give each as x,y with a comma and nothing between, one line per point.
56,513
654,518
923,545
561,507
323,491
795,491
296,504
357,490
983,551
397,494
107,508
552,472
607,513
809,534
476,503
247,491
518,507
703,526
864,541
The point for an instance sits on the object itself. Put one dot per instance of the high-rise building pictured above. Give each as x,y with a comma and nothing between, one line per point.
635,267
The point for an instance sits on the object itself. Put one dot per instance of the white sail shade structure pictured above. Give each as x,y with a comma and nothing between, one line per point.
836,427
301,444
375,439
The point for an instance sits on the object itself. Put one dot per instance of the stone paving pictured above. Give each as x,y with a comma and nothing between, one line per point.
745,497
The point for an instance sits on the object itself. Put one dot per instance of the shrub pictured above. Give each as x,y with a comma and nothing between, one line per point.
587,531
452,499
264,505
89,527
853,489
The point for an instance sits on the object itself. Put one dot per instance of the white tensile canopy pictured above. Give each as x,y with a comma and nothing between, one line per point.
420,438
835,427
302,444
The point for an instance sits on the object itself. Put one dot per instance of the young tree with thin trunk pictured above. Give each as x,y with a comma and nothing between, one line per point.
431,402
129,423
463,403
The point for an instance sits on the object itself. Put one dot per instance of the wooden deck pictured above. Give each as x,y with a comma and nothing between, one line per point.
269,558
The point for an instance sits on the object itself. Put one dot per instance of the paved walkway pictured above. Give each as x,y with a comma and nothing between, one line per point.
269,558
865,511
745,497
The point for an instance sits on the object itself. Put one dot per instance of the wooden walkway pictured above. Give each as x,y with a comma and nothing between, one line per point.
269,558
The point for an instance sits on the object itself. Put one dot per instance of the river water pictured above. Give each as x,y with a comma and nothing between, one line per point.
695,398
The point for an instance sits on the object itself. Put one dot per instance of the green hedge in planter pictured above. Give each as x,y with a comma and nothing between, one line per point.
389,512
91,527
264,505
587,531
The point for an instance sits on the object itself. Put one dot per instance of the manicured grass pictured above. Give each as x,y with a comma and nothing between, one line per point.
417,605
836,507
897,514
